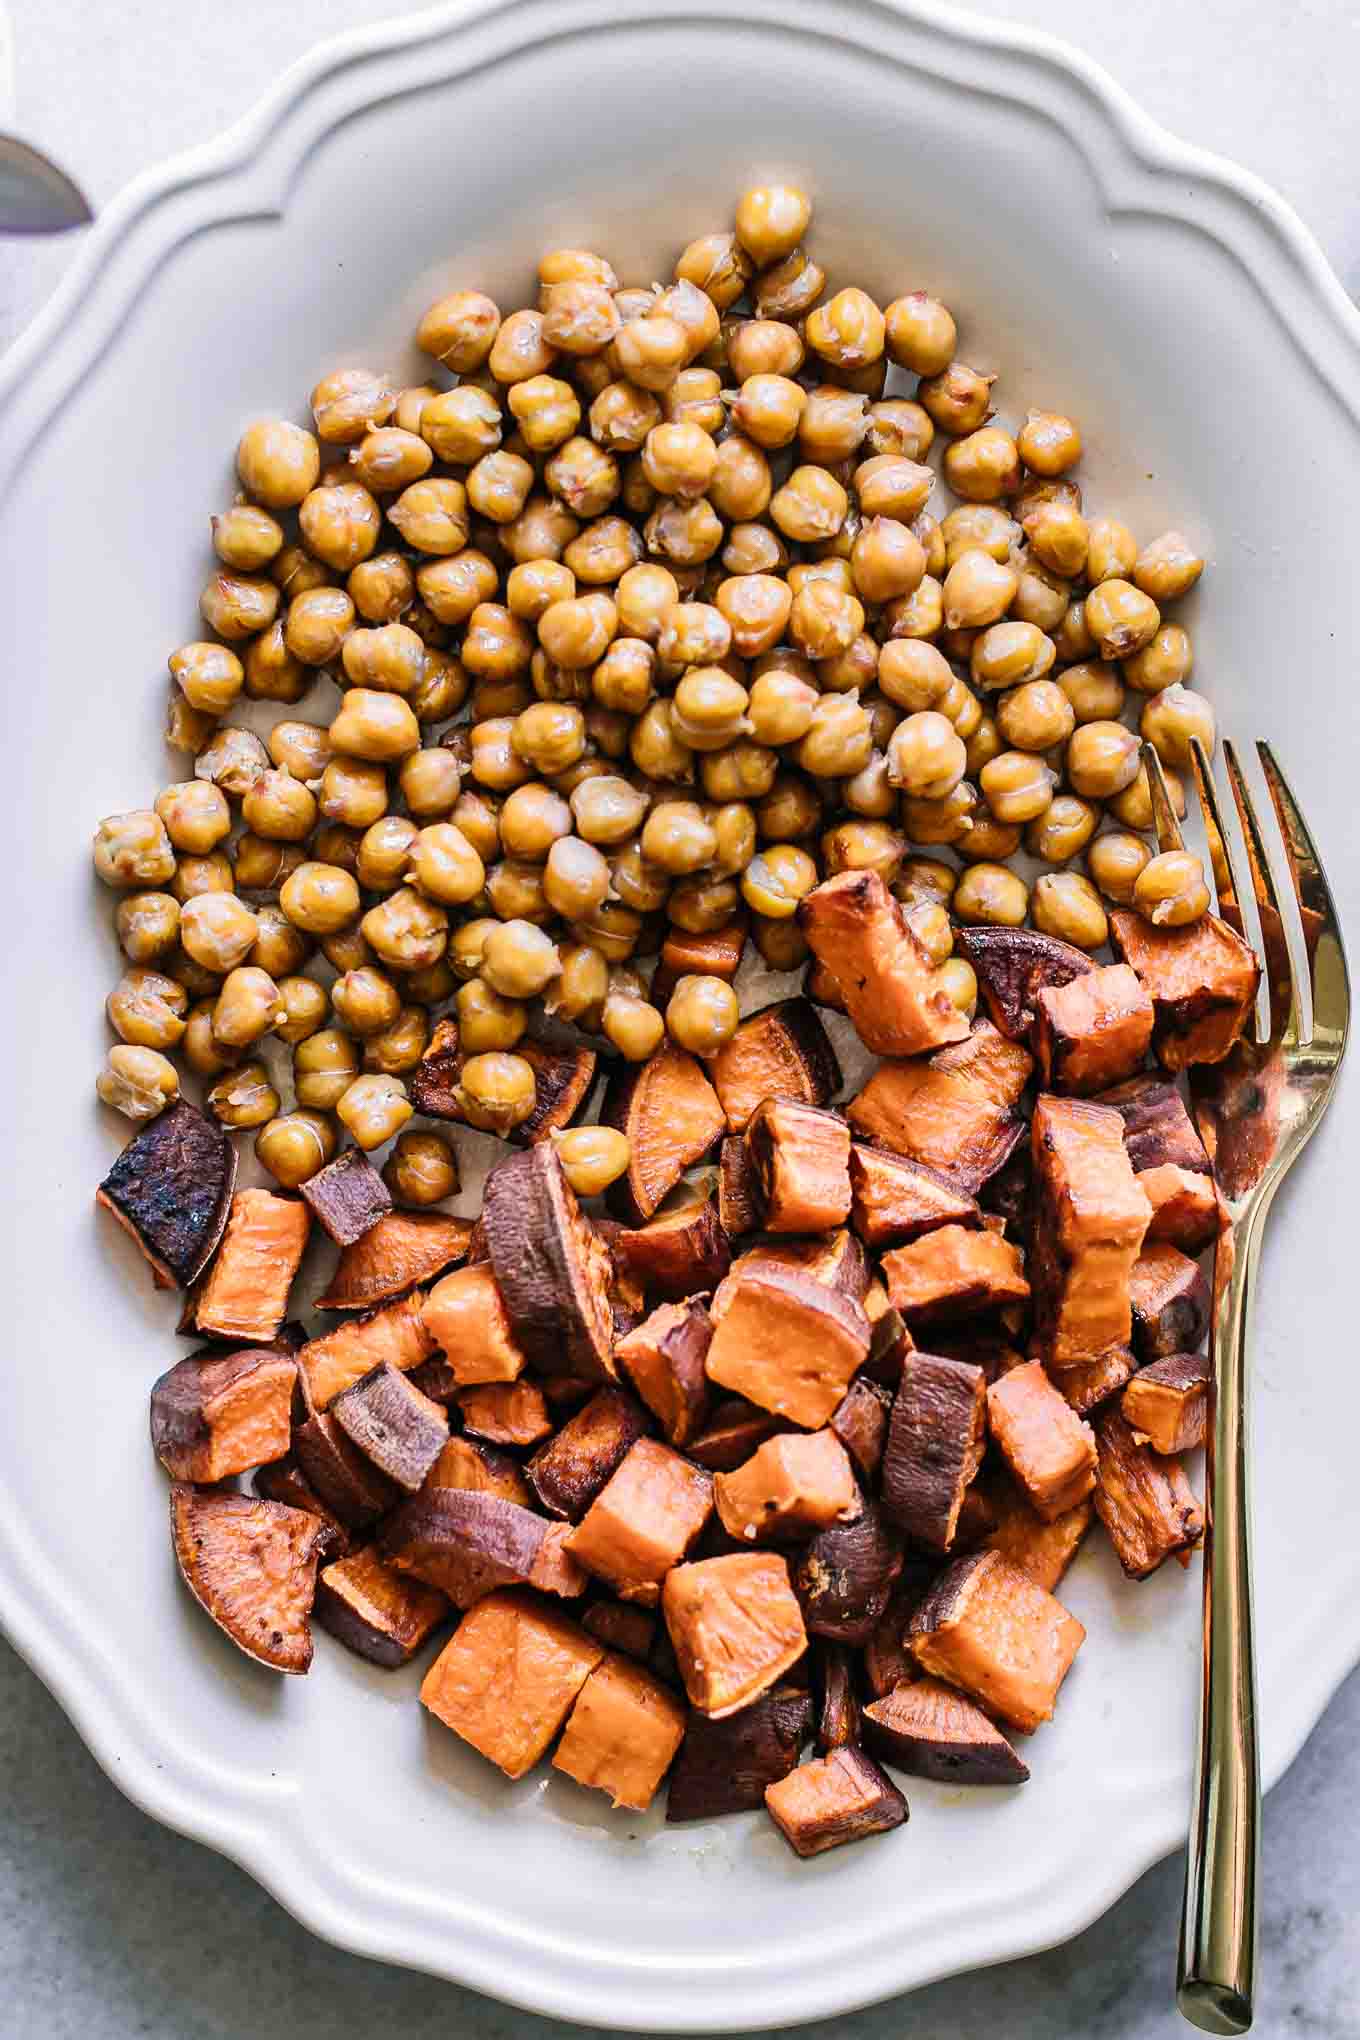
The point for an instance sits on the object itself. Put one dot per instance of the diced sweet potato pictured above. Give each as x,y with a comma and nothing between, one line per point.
1093,1031
403,1249
554,1570
738,1207
506,1412
890,986
507,1679
664,1360
860,1421
376,1612
622,1734
801,1157
841,1797
736,1627
1042,1551
724,1766
680,1252
397,1333
1185,1206
552,1268
731,1433
284,1481
1091,1383
1090,1221
838,1714
954,1272
1012,966
987,1628
171,1189
670,1113
348,1482
216,1414
568,1472
716,953
846,1575
788,1343
894,1199
347,1197
1009,1196
466,1318
977,1519
1201,980
936,1439
482,1469
889,1344
1166,1405
888,1657
836,1259
1169,1298
1157,1127
643,1521
1048,1448
245,1293
622,1625
434,1082
781,1052
466,1544
956,1112
1144,1502
789,1488
819,985
393,1424
929,1730
252,1566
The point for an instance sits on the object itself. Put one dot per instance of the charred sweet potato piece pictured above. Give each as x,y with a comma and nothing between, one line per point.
347,1197
844,1578
716,953
664,1360
283,1480
1185,1207
568,1472
465,1316
393,1424
680,1252
724,1766
506,1680
397,1333
1013,965
622,1735
670,1113
1157,1127
841,1797
889,984
244,1294
643,1521
738,1208
894,1199
954,1272
987,1628
375,1611
801,1158
433,1083
788,1343
1041,1551
977,1519
466,1544
349,1484
888,1658
789,1488
1009,1196
1093,1031
1169,1298
482,1469
936,1439
838,1715
819,985
1089,1226
731,1433
252,1566
397,1253
171,1189
562,1080
736,1627
860,1421
836,1259
552,1268
506,1412
889,1344
1166,1405
1048,1448
929,1730
1201,980
555,1571
1144,1502
1091,1383
622,1626
781,1052
216,1414
956,1112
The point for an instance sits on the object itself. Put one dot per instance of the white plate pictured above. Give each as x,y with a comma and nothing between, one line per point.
1190,323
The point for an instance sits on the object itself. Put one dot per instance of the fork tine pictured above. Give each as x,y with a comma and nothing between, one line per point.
1234,882
1169,835
1317,909
1287,972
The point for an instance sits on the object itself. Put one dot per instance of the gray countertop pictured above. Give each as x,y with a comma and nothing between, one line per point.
110,1927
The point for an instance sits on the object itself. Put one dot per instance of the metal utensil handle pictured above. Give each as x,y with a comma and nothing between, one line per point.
1216,1985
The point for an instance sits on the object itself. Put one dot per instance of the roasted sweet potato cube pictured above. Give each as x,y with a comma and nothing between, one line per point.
1092,1383
845,1577
171,1190
402,1249
781,1052
1089,1225
1041,1551
838,1713
393,1424
1012,966
954,1272
348,1482
1166,1405
801,1157
680,1252
1201,979
819,985
568,1472
716,953
1092,1031
555,1571
466,1318
506,1413
622,1734
977,1519
347,1197
506,1680
664,1360
936,1438
888,1656
377,1612
789,1488
890,986
836,1259
252,1566
245,1292
1157,1127
1009,1196
1048,1448
643,1521
331,1363
738,1192
482,1469
894,1199
889,1344
670,1113
466,1544
929,1730
216,1414
841,1797
1144,1502
622,1625
552,1268
788,1343
284,1481
1185,1207
724,1766
987,1628
1169,1298
736,1627
955,1112
860,1421
731,1434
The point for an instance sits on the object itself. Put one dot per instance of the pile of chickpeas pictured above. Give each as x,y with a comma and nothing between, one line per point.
640,619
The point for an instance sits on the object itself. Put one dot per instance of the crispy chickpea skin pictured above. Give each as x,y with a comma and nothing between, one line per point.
1066,905
422,1169
138,1082
133,850
1170,889
295,1145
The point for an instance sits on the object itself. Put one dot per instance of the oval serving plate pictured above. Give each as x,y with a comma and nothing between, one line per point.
1161,296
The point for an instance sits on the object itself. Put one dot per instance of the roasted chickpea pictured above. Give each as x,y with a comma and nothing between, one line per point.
755,607
919,333
305,1003
432,515
244,1097
1017,786
217,930
406,930
1102,757
930,924
148,925
1049,443
926,756
863,846
390,659
138,1082
365,1000
374,1108
792,808
398,1048
430,781
247,1007
580,316
1111,551
632,1025
848,330
1168,567
579,992
246,537
1095,691
678,837
346,951
459,330
1165,661
209,676
1067,906
263,864
958,981
679,460
918,616
325,1064
1035,716
592,1157
195,875
518,960
421,1170
340,522
353,792
1121,619
349,403
607,809
991,896
496,1092
957,398
295,1145
278,462
1170,889
317,624
146,1008
294,572
693,634
870,791
205,1055
941,821
780,943
788,289
832,424
390,459
1059,537
886,560
771,220
604,552
978,591
187,729
838,741
443,865
382,589
810,507
774,882
709,709
984,744
781,707
984,466
702,1014
1041,597
1064,828
1172,718
133,849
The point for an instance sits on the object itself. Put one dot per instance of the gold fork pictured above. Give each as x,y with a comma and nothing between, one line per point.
1256,1111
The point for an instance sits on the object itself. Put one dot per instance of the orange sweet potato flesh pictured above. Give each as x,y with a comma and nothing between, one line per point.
987,1628
643,1521
506,1412
403,1249
670,1113
1093,1031
506,1681
1167,1404
801,1158
1201,980
251,1565
895,1199
781,1052
1091,1222
953,1272
245,1292
956,1112
622,1734
379,1614
481,1469
841,1797
1041,1551
736,1627
890,986
787,1342
1185,1207
1145,1502
397,1334
218,1414
1048,1448
465,1317
789,1488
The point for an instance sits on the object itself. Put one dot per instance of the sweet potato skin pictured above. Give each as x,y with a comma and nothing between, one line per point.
664,1360
347,1197
1144,1502
781,1052
507,1679
853,923
987,1628
374,1611
397,1332
551,1267
725,1765
1167,1403
218,1414
569,1471
928,1729
936,1438
845,1577
1201,979
670,1112
841,1797
894,1200
171,1189
1012,966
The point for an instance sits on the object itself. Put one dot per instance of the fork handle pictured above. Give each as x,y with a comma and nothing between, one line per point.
1216,1983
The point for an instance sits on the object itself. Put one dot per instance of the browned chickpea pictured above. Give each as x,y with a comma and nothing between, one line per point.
838,742
926,756
248,1007
389,460
442,864
919,333
397,1049
848,330
302,748
781,707
325,1064
991,896
295,572
833,424
498,486
774,882
810,507
918,616
407,931
442,690
348,404
579,316
278,462
186,729
792,808
958,398
263,863
978,591
695,398
789,288
863,846
374,1108
1111,551
622,416
744,771
1165,661
1035,716
1064,828
650,352
870,791
941,821
1171,718
382,588
271,671
317,624
1121,618
1102,757
886,560
459,330
632,1025
702,1014
1017,786
678,837
147,1008
604,552
347,950
580,992
1170,889
496,645
432,515
688,534
1049,443
755,608
305,1003
246,538
913,674
340,522
984,466
295,1145
781,943
984,743
924,879
148,925
887,485
421,1170
1168,567
739,488
238,605
771,220
521,349
542,531
353,792
708,711
374,726
679,460
1067,906
206,1056
1133,807
607,810
244,1097
720,267
1041,598
429,782
824,621
280,807
694,312
195,875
